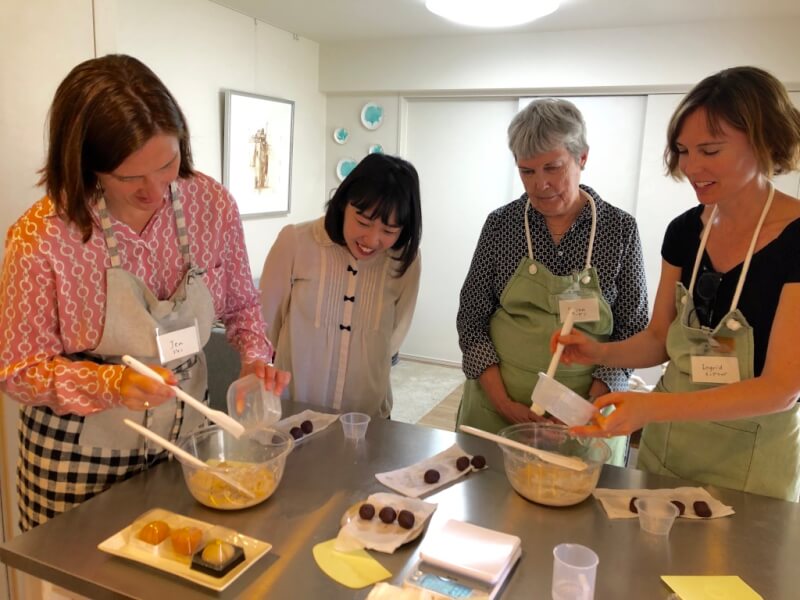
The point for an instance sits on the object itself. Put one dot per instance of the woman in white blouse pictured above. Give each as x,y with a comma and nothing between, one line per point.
338,292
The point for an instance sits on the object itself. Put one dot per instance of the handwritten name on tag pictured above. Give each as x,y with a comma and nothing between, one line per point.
178,344
715,369
585,309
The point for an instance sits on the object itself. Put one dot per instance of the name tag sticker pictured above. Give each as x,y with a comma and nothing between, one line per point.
586,309
178,343
715,369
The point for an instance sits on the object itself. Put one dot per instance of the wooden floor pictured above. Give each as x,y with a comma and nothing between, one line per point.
443,415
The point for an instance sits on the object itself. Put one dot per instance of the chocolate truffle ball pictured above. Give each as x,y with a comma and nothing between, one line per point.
701,509
366,511
296,432
405,519
431,476
681,507
462,463
478,461
307,426
387,514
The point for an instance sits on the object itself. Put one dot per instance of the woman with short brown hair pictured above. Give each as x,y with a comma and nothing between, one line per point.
727,310
131,251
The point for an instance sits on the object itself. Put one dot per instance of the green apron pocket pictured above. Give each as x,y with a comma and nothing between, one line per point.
716,453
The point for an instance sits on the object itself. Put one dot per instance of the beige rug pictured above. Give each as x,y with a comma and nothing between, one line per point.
443,415
418,387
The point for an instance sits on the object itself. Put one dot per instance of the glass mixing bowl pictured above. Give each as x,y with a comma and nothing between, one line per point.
255,461
544,482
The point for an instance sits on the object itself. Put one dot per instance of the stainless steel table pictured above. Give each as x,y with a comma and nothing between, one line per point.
325,475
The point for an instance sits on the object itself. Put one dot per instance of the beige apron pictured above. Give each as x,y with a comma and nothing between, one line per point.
521,329
67,459
760,455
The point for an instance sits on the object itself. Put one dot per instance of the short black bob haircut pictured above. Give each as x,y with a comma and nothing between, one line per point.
381,186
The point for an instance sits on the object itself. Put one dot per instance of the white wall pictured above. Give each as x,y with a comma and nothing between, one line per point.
345,111
465,169
666,58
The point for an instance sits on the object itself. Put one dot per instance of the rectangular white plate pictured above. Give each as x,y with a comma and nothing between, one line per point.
254,549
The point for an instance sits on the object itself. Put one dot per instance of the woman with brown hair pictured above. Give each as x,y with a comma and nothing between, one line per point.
727,310
131,251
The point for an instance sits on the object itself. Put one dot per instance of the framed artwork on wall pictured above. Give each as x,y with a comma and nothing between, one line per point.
257,152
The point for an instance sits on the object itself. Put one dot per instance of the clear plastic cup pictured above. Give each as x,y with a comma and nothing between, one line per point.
561,402
574,571
354,425
656,515
252,405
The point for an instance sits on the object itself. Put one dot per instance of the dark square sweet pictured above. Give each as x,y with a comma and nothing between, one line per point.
215,570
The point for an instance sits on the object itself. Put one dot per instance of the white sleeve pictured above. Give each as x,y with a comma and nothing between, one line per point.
406,304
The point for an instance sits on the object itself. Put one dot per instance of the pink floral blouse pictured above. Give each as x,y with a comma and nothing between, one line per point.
53,296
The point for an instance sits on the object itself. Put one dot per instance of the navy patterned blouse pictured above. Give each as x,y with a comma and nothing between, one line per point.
617,257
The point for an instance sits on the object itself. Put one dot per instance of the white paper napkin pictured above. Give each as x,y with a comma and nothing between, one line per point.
318,419
617,502
411,480
374,534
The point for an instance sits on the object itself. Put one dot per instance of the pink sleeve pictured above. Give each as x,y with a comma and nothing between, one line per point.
33,368
244,322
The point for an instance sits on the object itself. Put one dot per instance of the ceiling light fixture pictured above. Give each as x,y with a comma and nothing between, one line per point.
491,13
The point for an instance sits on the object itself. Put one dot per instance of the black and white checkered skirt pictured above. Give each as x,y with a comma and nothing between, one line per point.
55,473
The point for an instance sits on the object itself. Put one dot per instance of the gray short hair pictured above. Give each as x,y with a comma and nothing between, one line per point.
544,125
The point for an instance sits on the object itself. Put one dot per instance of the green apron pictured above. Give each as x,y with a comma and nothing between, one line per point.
761,454
520,330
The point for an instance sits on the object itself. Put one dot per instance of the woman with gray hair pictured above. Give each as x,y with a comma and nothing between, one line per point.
557,247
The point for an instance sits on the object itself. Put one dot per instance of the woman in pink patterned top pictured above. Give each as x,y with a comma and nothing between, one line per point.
130,252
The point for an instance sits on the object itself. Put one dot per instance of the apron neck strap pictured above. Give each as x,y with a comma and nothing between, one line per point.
592,233
593,230
180,223
750,249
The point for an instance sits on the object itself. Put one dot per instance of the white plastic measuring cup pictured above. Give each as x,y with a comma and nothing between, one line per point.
656,515
562,402
574,572
354,425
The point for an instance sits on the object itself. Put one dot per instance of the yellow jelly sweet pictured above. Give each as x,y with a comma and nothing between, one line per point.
218,552
154,532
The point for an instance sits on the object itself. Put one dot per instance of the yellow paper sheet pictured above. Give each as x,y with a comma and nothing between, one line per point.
356,569
710,587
